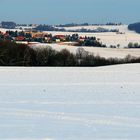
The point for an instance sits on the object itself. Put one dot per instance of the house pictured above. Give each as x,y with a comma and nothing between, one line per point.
20,38
47,39
81,38
37,34
57,40
61,37
6,34
1,33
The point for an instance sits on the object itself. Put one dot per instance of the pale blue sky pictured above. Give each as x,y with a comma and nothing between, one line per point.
68,11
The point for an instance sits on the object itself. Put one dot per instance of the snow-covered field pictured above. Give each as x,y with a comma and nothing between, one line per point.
70,103
108,38
103,52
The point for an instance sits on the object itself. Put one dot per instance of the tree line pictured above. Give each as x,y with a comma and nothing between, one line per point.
62,29
12,54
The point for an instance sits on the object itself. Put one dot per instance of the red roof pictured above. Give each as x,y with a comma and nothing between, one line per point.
60,36
82,37
6,34
20,38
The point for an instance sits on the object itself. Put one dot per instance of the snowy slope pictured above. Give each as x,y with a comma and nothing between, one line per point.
103,52
108,38
70,103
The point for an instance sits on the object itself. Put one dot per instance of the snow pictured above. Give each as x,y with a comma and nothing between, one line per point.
26,27
103,52
108,38
100,103
4,30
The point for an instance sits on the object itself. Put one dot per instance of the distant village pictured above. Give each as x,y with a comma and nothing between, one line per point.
31,37
32,34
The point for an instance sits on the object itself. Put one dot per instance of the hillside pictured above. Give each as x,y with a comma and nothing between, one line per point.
103,52
70,103
123,38
135,27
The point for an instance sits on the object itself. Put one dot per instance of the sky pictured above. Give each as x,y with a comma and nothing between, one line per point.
70,11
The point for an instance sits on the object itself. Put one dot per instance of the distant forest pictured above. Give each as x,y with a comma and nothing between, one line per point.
62,29
86,24
44,27
134,27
